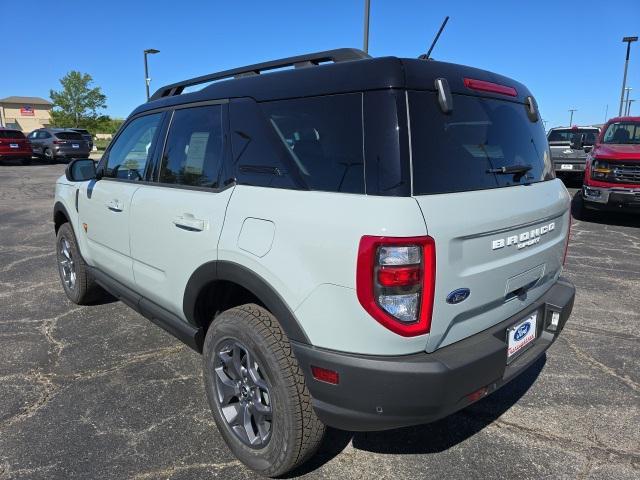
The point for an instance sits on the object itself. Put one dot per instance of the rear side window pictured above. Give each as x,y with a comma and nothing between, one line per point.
193,152
11,134
461,151
323,136
69,136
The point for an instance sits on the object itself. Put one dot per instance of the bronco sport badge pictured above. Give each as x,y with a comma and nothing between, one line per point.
524,239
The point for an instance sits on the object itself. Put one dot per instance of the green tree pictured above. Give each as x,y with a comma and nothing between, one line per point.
77,104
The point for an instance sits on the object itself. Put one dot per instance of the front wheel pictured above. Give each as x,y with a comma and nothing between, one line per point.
74,274
257,392
48,155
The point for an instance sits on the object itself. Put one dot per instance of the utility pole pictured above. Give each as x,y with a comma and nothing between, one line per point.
571,119
147,80
628,41
367,9
606,111
629,102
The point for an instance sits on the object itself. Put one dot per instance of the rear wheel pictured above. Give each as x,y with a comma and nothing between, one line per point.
257,393
74,274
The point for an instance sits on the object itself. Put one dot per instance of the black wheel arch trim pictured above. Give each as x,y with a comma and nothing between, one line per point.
60,208
243,276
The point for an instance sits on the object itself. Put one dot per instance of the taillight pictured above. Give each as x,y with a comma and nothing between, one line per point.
566,243
395,282
483,86
59,142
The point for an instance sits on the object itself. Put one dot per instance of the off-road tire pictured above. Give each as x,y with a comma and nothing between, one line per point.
296,431
85,290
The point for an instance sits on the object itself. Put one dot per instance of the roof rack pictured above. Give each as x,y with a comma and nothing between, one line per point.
299,61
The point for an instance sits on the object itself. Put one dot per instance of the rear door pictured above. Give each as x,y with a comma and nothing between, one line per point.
104,205
176,220
502,236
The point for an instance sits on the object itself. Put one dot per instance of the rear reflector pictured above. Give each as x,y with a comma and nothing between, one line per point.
325,375
478,394
483,86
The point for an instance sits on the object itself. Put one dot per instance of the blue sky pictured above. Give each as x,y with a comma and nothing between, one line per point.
569,53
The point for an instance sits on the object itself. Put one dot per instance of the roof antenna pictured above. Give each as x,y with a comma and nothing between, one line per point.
435,40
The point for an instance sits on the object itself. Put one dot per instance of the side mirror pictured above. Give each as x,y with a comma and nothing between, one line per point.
81,170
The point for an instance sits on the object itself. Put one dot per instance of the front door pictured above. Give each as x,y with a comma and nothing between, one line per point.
104,205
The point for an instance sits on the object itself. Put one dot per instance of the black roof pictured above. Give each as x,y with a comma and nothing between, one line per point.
343,76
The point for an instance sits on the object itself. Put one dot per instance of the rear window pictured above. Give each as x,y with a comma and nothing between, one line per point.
461,151
81,131
11,134
323,136
68,136
568,135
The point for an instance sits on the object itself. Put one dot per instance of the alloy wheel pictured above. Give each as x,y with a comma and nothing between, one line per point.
243,394
67,264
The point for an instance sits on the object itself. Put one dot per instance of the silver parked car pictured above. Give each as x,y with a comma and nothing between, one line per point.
55,144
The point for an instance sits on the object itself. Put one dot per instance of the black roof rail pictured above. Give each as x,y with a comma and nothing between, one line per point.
299,61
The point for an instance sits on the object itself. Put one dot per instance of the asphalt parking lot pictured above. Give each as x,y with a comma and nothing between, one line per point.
100,392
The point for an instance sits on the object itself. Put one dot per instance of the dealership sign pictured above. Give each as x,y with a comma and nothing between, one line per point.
26,111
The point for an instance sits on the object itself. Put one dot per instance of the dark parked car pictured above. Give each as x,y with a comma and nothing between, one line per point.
86,135
14,145
54,144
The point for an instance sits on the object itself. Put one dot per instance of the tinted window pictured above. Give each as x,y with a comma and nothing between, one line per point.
462,150
259,157
11,134
323,136
572,134
130,152
622,132
193,153
43,134
68,136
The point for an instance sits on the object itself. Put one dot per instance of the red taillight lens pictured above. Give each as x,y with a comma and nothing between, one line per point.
325,375
395,282
483,86
399,276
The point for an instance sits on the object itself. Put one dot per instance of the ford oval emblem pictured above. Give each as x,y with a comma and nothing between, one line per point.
459,295
522,331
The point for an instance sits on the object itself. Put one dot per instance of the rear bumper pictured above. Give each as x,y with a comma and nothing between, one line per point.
380,392
613,198
67,152
16,154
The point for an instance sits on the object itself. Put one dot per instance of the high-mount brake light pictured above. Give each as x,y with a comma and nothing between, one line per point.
483,86
395,282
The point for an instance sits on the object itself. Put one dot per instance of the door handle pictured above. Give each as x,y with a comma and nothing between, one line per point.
189,223
115,206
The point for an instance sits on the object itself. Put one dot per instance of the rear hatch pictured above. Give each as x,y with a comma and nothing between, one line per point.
502,236
13,142
72,141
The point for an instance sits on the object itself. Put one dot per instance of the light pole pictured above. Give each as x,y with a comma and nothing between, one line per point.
629,102
367,9
147,80
628,41
626,101
571,119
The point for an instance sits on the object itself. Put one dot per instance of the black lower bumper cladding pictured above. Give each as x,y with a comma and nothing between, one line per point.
384,392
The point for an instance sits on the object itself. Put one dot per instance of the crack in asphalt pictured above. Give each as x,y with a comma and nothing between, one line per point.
169,472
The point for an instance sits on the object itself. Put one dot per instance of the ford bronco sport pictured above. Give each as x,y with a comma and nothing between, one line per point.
364,243
612,176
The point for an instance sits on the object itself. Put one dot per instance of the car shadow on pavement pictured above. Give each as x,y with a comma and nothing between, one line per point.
619,219
430,438
34,162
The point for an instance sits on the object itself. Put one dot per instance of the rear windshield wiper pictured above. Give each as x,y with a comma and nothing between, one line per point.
511,169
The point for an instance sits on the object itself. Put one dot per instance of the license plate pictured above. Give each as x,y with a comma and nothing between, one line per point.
75,145
521,335
14,145
566,166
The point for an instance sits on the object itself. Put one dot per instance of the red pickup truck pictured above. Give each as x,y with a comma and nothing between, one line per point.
612,173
